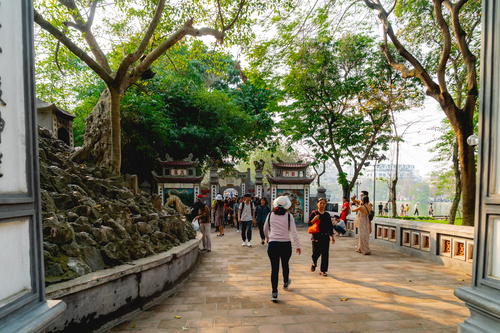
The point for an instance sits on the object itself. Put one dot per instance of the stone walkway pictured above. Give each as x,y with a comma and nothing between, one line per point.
230,292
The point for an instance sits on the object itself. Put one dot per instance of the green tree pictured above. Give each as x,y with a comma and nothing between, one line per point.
134,47
219,118
439,43
338,108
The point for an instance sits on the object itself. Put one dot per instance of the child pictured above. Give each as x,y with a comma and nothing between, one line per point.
338,225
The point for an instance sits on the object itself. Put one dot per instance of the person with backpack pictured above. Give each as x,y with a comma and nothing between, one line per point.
219,214
203,217
279,231
364,215
247,218
321,236
261,213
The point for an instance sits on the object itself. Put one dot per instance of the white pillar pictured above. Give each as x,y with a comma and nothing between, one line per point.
161,194
213,191
273,192
196,191
258,191
306,203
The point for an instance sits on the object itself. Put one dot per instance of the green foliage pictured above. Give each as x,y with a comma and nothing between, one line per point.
428,219
192,110
336,87
269,155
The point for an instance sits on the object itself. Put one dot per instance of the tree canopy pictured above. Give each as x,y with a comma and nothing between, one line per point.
199,103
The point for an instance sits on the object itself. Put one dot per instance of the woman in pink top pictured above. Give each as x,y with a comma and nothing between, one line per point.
278,228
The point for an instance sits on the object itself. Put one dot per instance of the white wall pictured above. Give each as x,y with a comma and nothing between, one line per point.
15,274
13,145
495,249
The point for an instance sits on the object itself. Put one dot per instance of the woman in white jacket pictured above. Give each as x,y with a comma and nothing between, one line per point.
278,228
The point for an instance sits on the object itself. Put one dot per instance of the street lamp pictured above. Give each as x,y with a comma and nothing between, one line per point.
357,188
376,159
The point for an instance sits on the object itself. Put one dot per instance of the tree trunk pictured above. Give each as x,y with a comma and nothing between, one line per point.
394,208
468,172
102,141
458,185
346,191
116,132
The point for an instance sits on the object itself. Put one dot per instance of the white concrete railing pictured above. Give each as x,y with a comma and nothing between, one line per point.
450,245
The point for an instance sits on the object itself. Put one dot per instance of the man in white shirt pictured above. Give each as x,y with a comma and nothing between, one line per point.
247,218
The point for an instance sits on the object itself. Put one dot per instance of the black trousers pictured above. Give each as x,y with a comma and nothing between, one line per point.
261,230
321,247
246,230
279,251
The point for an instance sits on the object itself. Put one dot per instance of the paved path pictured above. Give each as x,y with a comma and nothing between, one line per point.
230,292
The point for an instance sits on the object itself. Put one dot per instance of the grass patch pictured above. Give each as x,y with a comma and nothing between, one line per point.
429,219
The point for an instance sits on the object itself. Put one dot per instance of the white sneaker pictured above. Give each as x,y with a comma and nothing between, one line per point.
249,244
244,244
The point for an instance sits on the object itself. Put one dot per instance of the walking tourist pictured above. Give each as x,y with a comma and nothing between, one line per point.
380,209
247,218
279,229
228,211
219,214
386,209
344,211
203,216
362,222
402,210
431,209
407,210
321,239
416,213
261,213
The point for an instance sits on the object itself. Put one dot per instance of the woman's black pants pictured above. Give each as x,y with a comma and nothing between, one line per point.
261,230
279,251
321,247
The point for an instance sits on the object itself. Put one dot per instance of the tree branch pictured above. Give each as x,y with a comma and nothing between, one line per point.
219,11
446,47
133,57
85,28
186,29
97,68
418,69
235,18
469,58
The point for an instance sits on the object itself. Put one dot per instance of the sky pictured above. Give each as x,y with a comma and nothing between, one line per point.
419,137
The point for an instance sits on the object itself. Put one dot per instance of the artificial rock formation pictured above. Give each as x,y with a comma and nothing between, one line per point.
92,220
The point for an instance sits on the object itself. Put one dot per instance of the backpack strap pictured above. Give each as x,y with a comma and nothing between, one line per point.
269,220
242,206
288,221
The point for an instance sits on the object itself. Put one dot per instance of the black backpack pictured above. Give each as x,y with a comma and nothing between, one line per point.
269,221
243,207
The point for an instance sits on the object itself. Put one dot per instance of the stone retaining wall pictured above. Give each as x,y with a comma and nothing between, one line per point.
96,299
450,245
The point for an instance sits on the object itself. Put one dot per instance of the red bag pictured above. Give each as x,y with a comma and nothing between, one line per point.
314,229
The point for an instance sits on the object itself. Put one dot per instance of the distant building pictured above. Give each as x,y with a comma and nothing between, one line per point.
292,180
58,121
180,178
406,171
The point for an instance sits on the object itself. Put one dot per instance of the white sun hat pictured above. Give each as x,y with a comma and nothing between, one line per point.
219,197
282,201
